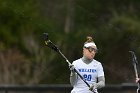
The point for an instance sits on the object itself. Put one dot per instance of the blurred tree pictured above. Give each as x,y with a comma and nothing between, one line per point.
21,23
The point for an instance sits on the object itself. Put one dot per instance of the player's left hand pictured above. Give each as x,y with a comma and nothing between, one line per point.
93,88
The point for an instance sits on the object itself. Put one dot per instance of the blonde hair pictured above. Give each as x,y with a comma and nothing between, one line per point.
89,42
89,39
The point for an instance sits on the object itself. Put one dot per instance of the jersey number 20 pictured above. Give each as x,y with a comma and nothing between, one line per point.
87,77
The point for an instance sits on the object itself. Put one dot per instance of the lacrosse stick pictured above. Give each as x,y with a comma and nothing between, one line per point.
56,49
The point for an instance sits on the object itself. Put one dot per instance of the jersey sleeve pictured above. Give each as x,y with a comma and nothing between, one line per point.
100,70
75,64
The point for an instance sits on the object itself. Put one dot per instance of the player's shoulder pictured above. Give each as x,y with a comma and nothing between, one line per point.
96,62
77,61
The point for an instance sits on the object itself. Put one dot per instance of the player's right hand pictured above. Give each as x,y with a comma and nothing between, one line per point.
71,67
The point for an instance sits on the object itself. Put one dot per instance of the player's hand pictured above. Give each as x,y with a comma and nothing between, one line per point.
137,80
93,88
71,67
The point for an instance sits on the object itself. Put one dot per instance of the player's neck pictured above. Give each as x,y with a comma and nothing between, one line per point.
86,60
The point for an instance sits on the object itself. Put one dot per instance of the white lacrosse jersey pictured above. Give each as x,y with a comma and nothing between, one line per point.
90,72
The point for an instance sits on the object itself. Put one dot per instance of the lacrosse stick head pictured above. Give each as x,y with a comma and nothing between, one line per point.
49,43
45,36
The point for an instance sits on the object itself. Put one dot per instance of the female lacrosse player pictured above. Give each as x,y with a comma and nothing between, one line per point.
91,70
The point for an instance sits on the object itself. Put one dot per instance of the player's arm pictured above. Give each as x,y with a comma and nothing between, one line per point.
73,78
73,75
101,78
100,84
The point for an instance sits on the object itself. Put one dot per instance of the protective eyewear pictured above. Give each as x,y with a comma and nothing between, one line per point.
90,49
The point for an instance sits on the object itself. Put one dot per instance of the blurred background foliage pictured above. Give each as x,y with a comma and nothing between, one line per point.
24,58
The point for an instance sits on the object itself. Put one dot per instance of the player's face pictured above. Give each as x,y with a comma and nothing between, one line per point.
89,52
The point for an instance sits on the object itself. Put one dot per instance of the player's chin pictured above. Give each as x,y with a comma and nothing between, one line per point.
92,56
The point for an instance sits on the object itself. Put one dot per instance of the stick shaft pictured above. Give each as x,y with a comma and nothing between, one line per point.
135,62
55,48
136,72
74,68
